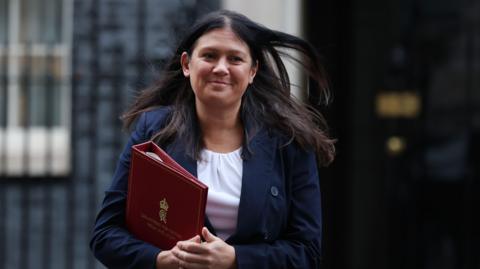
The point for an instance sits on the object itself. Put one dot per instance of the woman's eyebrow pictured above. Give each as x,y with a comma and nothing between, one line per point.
215,49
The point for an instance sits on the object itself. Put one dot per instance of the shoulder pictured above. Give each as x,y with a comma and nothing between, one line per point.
282,140
157,115
279,142
290,149
154,119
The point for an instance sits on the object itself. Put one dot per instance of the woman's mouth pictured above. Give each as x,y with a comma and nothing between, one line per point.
220,82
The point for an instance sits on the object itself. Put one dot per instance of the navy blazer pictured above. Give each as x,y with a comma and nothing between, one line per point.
279,216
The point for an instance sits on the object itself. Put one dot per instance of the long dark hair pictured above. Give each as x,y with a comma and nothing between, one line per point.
267,103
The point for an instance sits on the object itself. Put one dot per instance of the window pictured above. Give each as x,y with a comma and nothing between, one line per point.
35,71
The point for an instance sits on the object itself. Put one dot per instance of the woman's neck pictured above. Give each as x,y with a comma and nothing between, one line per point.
222,129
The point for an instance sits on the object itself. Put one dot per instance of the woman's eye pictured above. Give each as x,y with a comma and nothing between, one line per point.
208,56
236,59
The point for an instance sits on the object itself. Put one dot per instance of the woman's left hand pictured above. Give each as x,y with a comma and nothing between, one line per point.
213,253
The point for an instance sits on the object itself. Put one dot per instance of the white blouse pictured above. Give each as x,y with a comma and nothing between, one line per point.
222,173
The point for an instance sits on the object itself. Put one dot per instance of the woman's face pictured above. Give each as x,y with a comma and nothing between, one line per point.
220,69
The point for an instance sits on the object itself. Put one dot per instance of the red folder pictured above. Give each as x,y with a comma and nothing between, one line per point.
165,203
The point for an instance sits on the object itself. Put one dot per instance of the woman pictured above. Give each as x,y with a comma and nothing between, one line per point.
223,110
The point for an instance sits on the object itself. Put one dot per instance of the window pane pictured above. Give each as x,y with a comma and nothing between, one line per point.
3,22
40,91
53,21
3,90
25,19
41,21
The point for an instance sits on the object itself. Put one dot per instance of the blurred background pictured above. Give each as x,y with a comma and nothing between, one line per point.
402,193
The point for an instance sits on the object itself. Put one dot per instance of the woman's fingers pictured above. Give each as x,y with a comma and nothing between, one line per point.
192,247
195,255
195,239
189,257
209,237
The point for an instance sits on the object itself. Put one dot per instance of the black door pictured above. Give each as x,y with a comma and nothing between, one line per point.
403,192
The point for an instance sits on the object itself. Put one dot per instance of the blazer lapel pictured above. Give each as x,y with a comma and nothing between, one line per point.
256,172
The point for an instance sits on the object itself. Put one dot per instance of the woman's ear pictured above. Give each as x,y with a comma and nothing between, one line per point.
184,61
253,72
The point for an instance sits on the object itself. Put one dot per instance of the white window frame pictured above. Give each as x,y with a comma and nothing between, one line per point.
282,15
24,149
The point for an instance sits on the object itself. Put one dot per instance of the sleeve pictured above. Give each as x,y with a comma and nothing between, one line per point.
111,243
298,245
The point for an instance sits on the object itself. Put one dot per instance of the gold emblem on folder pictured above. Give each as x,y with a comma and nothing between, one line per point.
163,210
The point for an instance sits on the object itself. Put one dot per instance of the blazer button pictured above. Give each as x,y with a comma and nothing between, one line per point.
265,235
274,191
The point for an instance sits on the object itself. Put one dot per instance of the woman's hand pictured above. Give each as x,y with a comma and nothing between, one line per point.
166,259
213,253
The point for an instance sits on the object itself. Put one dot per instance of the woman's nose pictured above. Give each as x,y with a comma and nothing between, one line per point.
221,66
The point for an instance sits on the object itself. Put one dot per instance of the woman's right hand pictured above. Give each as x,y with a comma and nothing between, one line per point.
166,259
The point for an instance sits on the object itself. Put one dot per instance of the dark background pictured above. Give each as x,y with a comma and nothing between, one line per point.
404,187
413,207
